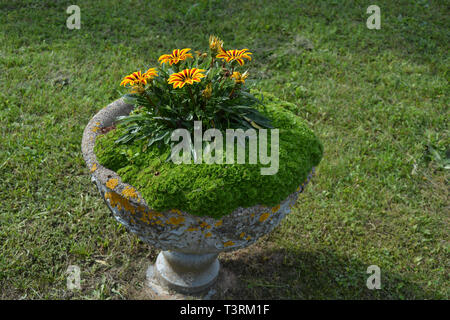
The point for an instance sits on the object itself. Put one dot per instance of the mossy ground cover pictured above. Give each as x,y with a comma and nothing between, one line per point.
377,99
216,190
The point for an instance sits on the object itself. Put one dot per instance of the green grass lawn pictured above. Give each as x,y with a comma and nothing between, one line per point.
378,100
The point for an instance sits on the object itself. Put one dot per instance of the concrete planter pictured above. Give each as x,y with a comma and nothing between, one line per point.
190,244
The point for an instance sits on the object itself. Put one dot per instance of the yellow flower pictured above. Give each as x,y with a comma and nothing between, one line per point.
139,79
240,77
215,44
138,89
188,76
176,56
201,55
237,55
207,93
151,73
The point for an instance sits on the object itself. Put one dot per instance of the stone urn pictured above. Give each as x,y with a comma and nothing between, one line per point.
190,244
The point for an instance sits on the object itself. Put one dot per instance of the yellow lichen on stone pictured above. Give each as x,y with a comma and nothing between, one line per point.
242,235
95,129
144,219
218,223
175,220
209,234
129,192
94,167
152,218
176,211
205,225
112,183
264,217
252,215
116,201
144,216
152,215
142,209
192,229
248,238
157,214
228,244
276,208
113,198
127,206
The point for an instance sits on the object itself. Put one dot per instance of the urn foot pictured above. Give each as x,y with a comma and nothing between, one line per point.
184,272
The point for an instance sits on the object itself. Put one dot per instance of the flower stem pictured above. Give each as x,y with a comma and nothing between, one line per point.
150,100
232,91
191,95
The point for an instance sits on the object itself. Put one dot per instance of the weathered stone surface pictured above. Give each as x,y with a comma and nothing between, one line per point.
189,263
175,229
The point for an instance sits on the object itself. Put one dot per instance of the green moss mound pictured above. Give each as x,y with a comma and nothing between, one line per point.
216,190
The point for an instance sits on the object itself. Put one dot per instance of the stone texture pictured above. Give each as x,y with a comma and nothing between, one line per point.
174,229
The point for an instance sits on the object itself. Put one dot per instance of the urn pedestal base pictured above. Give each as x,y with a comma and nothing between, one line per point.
183,272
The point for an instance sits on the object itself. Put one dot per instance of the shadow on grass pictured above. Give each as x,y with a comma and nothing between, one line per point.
285,274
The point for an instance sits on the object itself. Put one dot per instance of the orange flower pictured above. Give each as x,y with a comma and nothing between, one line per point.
215,44
240,77
237,55
176,56
207,93
188,76
139,79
